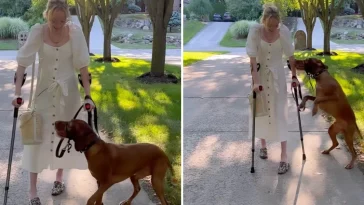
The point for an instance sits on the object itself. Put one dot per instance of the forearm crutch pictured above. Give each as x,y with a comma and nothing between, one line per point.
298,112
19,101
252,170
299,121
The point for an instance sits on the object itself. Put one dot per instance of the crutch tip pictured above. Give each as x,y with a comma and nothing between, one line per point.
252,170
304,157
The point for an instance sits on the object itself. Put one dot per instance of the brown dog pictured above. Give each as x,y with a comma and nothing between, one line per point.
110,163
331,99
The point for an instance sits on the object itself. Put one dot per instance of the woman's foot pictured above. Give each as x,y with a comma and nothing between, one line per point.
283,167
58,188
263,153
35,201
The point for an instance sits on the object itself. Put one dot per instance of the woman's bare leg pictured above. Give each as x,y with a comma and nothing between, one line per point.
263,143
59,175
284,151
33,185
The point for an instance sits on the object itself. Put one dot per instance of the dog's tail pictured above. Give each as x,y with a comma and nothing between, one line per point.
173,178
358,130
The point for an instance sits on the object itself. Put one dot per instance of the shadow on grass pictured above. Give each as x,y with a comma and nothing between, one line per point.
192,57
131,112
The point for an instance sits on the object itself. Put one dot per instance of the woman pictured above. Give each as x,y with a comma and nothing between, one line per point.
266,44
62,51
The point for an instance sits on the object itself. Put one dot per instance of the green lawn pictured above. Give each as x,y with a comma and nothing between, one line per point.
190,29
8,44
130,111
351,82
230,41
193,57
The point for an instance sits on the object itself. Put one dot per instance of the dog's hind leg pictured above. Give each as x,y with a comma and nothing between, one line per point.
135,182
349,139
334,129
158,173
96,198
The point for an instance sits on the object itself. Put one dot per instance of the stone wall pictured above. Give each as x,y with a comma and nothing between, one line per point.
134,23
348,23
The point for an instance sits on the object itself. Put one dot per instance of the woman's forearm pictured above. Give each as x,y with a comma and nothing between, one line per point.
253,63
85,80
19,80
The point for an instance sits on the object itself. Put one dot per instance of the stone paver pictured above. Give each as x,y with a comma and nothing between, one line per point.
217,150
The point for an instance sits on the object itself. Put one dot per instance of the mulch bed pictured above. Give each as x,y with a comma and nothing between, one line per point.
359,69
148,78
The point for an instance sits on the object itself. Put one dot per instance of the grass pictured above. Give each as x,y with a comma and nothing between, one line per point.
131,112
10,44
351,82
190,29
193,57
230,41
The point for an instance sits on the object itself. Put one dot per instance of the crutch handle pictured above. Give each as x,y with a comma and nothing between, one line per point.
294,84
88,106
260,87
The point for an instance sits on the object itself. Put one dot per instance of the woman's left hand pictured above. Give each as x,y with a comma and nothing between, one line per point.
295,83
88,101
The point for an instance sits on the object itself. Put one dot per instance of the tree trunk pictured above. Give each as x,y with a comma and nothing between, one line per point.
159,50
107,41
309,31
327,36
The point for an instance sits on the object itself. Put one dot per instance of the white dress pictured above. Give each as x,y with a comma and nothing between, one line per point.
274,126
60,98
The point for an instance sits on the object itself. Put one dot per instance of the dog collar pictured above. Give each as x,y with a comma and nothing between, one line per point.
89,146
316,74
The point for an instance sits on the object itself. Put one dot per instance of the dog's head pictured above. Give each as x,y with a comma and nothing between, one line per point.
310,65
77,130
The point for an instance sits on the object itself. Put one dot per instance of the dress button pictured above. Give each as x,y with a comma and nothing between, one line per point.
57,49
52,133
54,115
52,141
57,59
54,78
51,150
52,123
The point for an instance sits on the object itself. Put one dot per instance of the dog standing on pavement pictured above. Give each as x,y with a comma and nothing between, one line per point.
331,99
110,163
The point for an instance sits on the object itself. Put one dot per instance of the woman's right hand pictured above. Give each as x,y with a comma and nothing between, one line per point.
15,102
257,87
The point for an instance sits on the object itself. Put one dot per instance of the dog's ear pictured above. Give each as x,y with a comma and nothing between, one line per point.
83,134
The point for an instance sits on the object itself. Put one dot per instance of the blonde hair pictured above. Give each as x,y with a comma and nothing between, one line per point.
270,11
54,5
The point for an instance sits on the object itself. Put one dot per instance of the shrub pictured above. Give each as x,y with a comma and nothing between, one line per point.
186,12
14,8
10,27
219,8
244,9
348,11
240,29
175,20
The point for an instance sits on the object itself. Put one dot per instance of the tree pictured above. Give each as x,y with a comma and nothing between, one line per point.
200,8
174,21
327,13
107,11
284,5
309,13
86,16
160,11
361,6
244,9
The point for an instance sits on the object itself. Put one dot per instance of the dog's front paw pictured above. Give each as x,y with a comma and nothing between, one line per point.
302,106
314,110
125,203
